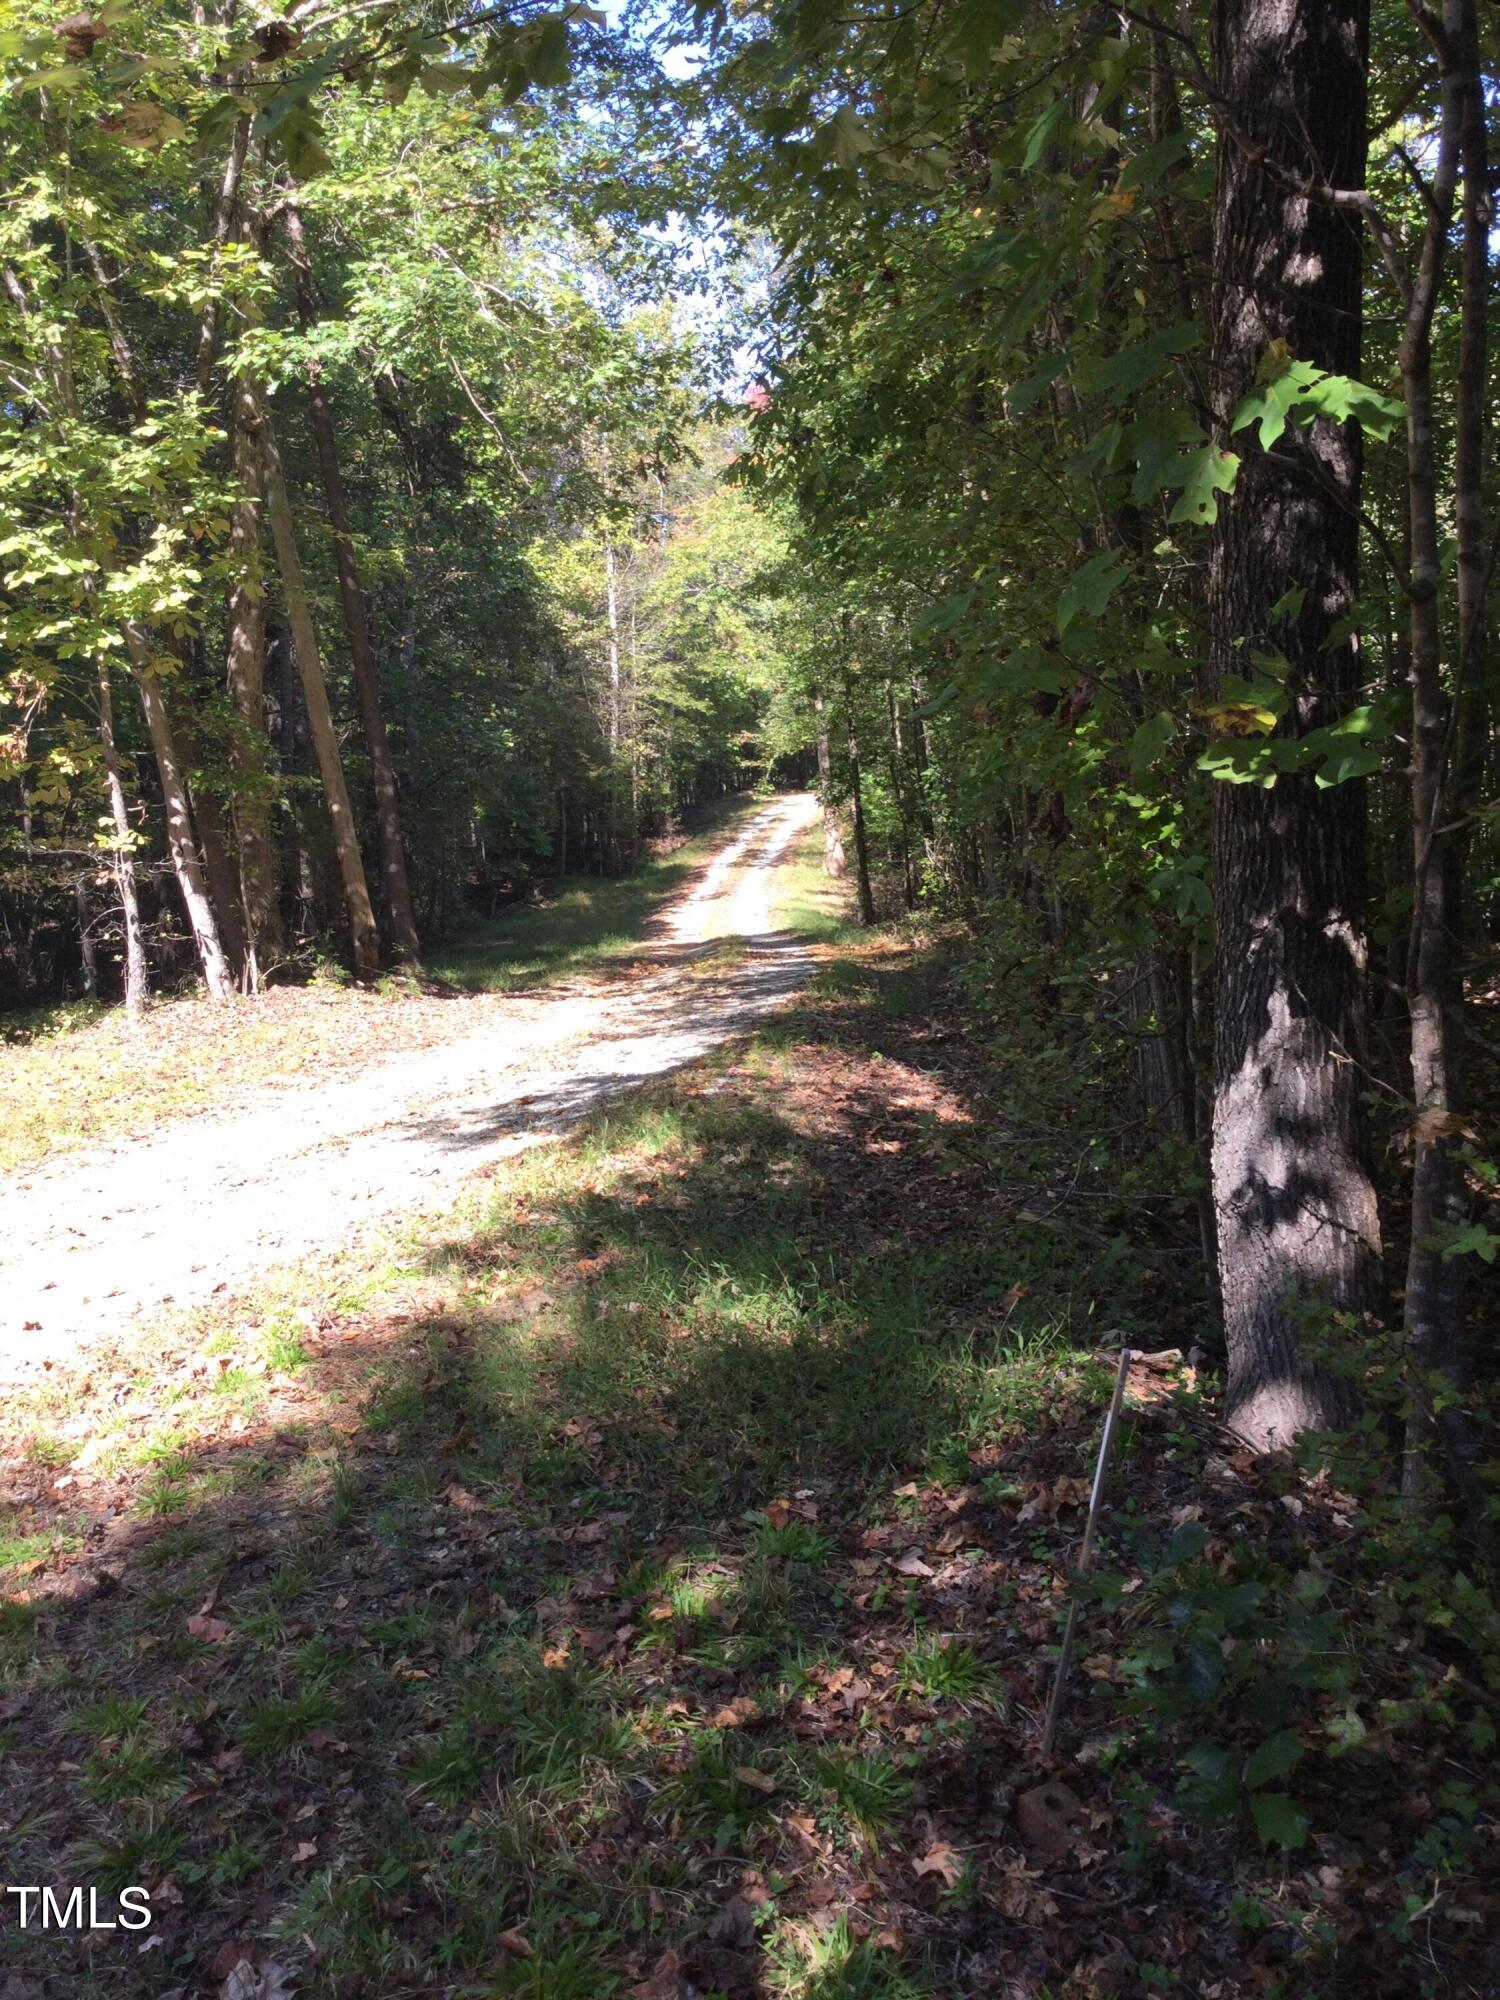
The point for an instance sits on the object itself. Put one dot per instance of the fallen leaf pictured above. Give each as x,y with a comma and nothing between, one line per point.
212,1631
756,1780
940,1859
514,1943
248,1981
734,1713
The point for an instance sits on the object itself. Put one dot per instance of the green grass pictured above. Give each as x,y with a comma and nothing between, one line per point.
581,922
540,1621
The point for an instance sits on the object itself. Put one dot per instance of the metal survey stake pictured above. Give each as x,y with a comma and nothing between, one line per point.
1086,1553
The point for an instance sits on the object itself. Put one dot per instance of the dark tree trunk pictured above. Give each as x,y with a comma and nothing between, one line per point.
1295,1207
856,794
834,861
357,625
1446,711
245,670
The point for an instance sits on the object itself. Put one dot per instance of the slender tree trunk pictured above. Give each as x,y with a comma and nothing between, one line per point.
217,976
1295,1207
897,763
835,862
1434,1288
218,870
357,625
364,936
856,795
245,673
85,937
612,613
130,908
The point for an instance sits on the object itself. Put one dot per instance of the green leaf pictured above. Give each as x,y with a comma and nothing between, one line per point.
1273,1758
1473,1241
1090,588
1042,131
1150,164
1210,472
1150,740
1277,1820
1213,1791
846,137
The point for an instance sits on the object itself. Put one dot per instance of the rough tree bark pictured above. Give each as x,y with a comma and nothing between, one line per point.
245,673
856,788
834,860
357,625
1442,726
186,864
130,907
364,936
1294,1202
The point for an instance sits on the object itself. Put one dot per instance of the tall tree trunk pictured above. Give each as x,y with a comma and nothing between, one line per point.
856,790
364,936
85,937
245,673
186,865
897,762
1434,1288
612,616
124,845
218,870
1295,1206
834,860
357,625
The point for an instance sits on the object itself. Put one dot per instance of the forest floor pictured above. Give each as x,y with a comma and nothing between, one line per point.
640,1580
91,1246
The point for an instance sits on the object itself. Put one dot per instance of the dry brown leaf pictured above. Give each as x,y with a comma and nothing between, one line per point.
940,1859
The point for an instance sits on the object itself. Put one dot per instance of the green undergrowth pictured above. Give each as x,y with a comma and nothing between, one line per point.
649,1580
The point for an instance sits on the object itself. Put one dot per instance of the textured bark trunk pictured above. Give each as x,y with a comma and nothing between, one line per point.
857,802
835,862
186,865
245,673
218,870
393,873
86,955
1434,1281
364,936
1295,1208
136,987
899,798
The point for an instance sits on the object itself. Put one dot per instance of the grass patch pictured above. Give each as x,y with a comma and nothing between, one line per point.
651,1576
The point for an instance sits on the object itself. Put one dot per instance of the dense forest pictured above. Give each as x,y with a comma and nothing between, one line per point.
441,452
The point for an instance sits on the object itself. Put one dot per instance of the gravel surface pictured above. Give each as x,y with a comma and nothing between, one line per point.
96,1246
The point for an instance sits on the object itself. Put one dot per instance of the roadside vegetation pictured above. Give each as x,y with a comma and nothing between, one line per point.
649,1576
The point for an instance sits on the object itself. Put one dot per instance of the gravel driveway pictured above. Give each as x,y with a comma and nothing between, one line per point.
97,1246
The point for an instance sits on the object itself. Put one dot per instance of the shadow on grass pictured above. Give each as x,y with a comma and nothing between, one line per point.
564,1617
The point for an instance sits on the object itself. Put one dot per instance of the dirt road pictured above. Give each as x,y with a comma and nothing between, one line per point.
95,1247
